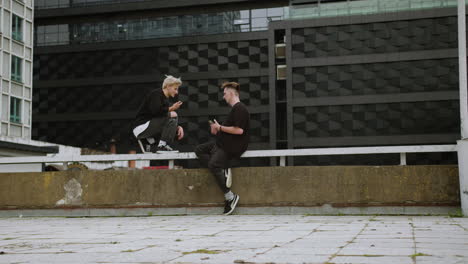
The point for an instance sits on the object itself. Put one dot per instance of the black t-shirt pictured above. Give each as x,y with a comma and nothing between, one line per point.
235,145
155,104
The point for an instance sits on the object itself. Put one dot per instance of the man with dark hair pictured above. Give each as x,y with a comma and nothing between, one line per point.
232,139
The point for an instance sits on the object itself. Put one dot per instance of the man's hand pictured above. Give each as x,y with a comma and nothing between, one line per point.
180,133
214,127
213,130
175,106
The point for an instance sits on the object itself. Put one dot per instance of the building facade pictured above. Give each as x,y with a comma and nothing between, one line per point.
313,73
16,56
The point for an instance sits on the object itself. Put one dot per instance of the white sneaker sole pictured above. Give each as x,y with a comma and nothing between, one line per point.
229,178
234,205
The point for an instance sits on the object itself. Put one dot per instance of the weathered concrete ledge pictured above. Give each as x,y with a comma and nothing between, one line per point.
281,190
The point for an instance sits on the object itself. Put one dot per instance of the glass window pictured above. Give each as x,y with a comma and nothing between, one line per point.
17,28
245,14
15,110
161,27
259,23
16,64
214,19
259,13
274,12
40,30
245,28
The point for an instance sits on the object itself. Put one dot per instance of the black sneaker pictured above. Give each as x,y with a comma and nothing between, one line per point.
228,175
148,148
151,148
166,149
231,205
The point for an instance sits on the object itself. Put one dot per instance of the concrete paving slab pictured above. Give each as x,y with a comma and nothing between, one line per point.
235,239
429,246
290,258
372,260
441,260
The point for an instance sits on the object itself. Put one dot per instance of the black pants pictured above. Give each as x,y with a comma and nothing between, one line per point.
161,128
215,159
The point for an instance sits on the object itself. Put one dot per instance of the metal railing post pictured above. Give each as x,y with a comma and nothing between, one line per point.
462,68
283,161
462,144
402,158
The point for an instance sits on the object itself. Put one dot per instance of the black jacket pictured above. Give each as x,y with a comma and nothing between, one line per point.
155,104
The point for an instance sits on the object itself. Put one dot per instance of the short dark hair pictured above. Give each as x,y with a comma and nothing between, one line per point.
231,85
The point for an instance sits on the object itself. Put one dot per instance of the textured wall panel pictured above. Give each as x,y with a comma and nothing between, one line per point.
91,134
222,56
380,159
376,119
372,160
199,94
90,99
383,37
376,78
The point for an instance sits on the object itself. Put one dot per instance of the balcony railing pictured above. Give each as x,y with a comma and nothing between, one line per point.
363,7
50,4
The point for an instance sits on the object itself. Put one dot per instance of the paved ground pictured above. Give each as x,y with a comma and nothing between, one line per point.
235,239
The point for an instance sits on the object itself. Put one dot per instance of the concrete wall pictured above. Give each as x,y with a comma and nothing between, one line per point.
336,186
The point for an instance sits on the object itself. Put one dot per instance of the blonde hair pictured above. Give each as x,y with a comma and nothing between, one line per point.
171,80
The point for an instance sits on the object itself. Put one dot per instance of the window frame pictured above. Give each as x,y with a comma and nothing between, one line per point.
17,27
15,109
16,69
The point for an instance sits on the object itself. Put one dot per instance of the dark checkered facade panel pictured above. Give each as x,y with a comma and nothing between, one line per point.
376,78
379,159
376,119
432,158
371,160
106,63
199,94
94,134
383,37
90,99
203,57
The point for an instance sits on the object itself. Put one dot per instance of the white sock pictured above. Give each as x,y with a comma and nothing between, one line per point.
162,143
151,140
229,196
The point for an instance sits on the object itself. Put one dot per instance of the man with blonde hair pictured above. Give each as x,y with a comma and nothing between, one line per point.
156,120
232,139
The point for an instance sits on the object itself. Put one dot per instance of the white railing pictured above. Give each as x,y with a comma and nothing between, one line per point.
281,153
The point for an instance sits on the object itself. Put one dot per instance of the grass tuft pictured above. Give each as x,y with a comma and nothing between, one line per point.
202,251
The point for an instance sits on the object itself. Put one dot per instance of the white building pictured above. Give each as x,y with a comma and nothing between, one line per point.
16,57
16,65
